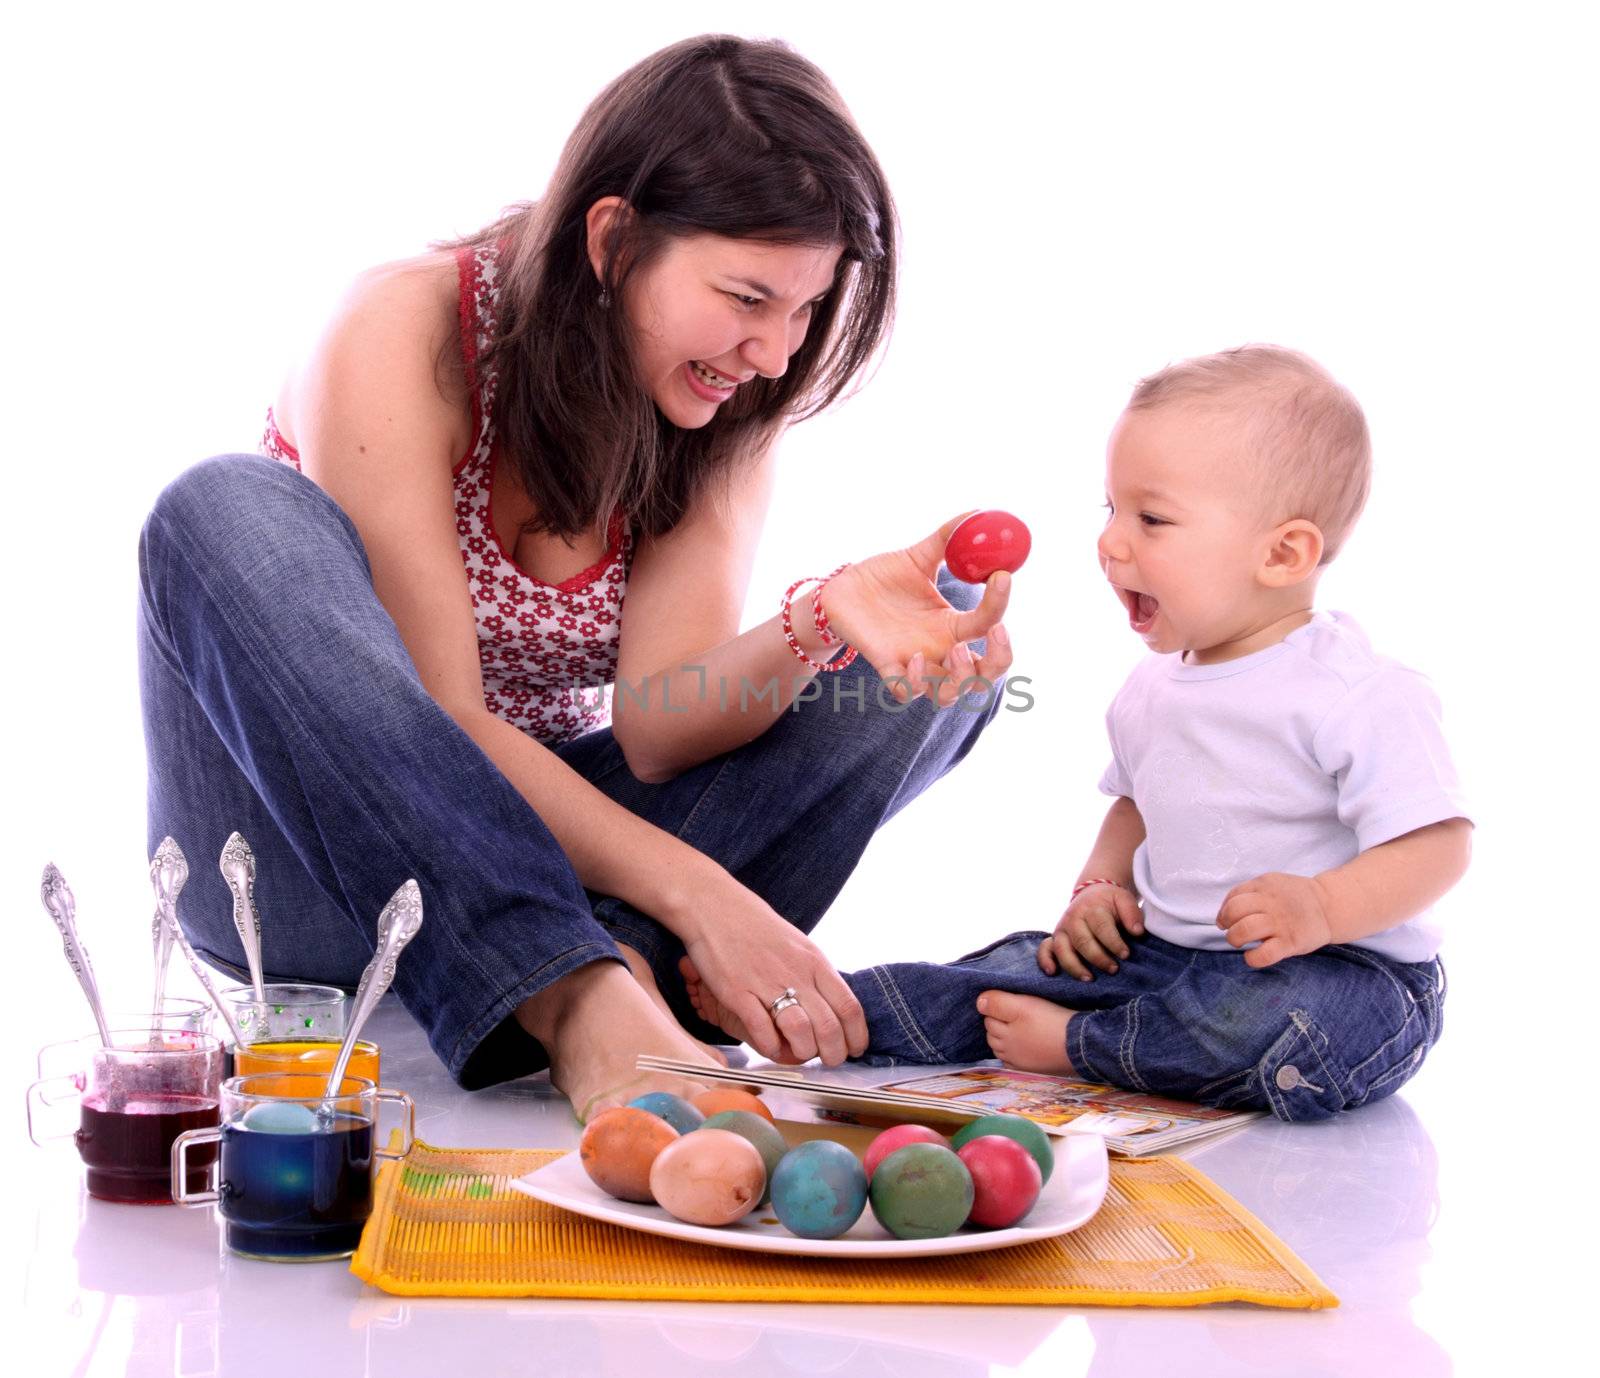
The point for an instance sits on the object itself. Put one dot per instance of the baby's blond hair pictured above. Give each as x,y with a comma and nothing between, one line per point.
1307,437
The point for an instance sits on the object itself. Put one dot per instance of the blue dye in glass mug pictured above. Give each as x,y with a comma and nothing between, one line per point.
294,1171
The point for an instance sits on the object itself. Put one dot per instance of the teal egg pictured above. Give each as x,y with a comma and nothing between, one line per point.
819,1189
759,1131
280,1117
1017,1127
922,1191
673,1109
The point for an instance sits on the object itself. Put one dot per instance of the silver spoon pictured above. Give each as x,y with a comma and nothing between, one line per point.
397,926
169,869
167,877
238,867
57,897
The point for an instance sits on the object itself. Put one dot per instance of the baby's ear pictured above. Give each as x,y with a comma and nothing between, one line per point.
1294,552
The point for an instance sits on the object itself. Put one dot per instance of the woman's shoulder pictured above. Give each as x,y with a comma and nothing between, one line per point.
402,310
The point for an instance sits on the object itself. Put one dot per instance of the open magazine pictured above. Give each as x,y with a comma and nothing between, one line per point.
1131,1122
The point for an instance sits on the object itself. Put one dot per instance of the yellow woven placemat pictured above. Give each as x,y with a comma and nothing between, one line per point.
445,1224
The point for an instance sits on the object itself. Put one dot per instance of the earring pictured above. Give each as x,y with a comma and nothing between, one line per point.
605,298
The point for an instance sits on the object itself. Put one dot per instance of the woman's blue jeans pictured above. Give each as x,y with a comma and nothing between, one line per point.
280,702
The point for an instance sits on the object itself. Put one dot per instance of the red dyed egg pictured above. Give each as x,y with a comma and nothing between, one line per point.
985,542
898,1137
1005,1181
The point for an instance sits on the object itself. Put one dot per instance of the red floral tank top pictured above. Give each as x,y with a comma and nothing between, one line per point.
548,651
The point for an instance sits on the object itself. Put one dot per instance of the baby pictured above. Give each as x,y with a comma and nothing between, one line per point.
1253,927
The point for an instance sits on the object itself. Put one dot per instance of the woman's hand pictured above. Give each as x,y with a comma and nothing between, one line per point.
889,608
746,955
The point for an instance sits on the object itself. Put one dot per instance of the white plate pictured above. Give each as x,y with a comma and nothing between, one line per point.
1071,1196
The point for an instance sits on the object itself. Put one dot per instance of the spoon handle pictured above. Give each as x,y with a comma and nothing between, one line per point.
57,897
238,866
169,872
161,942
397,926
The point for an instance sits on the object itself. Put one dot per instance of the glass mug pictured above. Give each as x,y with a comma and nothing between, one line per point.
294,1171
177,1012
290,1010
307,1056
137,1095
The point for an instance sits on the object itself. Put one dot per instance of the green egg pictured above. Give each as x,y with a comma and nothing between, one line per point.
1017,1127
921,1191
759,1131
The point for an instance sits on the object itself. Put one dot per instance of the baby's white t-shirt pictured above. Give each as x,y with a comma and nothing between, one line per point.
1292,759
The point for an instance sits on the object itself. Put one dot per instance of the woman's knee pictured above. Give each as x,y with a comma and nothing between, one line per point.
237,509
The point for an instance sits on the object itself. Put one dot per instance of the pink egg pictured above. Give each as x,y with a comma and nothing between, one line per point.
898,1137
985,542
1005,1181
710,1177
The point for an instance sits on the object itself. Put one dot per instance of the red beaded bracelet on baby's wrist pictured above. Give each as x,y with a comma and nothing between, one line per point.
819,620
1083,885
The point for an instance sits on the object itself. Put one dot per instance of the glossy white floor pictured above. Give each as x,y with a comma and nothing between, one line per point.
1418,1256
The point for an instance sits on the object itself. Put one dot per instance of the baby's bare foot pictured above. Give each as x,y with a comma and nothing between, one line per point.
706,1005
647,979
594,1023
1025,1032
713,1011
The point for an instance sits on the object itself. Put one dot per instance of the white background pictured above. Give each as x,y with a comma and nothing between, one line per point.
1087,192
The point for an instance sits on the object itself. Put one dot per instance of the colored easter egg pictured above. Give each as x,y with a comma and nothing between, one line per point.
747,1125
1025,1131
819,1189
708,1177
280,1117
898,1136
673,1109
720,1098
619,1147
921,1191
985,542
1005,1181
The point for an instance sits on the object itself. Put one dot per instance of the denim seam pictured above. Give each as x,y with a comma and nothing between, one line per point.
902,1012
1081,1062
1222,1085
468,954
1408,1003
1125,1045
1399,1072
505,1004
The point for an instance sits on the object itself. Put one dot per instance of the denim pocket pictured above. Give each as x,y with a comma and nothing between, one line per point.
1299,1078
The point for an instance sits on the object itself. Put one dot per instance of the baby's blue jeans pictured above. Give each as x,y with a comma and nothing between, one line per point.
280,702
1303,1039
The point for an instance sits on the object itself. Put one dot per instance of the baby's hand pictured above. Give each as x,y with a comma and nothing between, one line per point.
1287,915
1089,929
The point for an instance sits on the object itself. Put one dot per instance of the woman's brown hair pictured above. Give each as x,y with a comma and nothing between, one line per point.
713,135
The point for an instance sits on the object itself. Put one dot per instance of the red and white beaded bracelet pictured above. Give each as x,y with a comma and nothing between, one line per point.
1083,885
819,619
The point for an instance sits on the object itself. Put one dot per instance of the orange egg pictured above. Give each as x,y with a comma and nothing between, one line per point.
708,1177
718,1099
619,1147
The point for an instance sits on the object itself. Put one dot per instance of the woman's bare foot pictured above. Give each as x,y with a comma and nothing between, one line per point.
1026,1032
647,978
594,1023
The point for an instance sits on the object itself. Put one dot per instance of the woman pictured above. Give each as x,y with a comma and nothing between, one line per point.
386,665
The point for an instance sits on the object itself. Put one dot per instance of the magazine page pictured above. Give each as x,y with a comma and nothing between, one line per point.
1060,1100
1131,1122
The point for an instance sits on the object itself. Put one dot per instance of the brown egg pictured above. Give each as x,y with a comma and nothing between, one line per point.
618,1148
718,1099
709,1177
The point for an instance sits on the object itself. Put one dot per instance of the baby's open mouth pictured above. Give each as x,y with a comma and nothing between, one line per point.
1142,608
